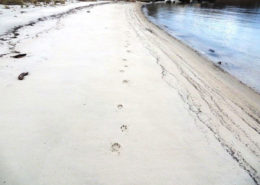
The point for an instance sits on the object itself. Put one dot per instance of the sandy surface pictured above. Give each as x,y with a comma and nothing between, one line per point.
110,99
16,15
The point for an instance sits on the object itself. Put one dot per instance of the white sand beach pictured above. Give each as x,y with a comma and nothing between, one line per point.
111,99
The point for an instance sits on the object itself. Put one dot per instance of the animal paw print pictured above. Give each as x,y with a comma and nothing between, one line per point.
123,128
120,106
115,147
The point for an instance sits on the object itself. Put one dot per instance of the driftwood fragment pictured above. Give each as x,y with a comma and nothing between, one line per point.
22,75
19,55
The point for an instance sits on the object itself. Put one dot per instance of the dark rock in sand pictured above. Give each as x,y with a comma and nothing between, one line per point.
31,24
22,75
151,31
19,55
40,19
219,62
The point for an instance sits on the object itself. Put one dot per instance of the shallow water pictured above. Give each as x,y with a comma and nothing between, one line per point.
230,34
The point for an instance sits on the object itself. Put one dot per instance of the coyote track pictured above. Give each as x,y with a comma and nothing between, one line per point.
115,147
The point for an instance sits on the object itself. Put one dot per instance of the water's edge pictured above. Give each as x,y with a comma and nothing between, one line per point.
200,53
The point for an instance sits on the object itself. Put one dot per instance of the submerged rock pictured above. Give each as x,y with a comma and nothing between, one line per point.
212,50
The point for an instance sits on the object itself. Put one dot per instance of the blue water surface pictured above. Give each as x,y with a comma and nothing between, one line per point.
230,34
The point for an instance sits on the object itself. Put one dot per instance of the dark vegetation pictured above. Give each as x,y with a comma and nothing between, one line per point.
217,3
23,2
242,3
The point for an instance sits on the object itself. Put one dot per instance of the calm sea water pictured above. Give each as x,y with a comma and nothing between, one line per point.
232,32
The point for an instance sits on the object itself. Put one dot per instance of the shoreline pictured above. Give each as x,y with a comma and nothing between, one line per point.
117,100
248,93
229,77
197,50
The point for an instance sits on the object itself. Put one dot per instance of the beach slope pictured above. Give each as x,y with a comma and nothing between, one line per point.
111,99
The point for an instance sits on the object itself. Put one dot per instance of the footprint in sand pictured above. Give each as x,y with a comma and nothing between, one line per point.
121,71
123,128
115,147
128,51
120,106
124,59
125,65
125,81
